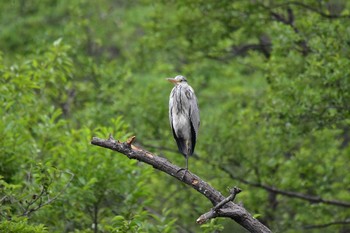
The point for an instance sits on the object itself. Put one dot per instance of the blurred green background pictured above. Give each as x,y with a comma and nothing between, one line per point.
272,79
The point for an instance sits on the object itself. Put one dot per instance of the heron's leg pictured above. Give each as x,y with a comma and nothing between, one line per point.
185,169
186,162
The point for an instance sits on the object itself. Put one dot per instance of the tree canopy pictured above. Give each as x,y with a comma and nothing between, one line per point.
272,79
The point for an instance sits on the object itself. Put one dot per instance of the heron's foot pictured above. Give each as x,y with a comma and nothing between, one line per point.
186,171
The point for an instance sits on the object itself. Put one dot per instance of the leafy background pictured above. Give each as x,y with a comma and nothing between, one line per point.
272,79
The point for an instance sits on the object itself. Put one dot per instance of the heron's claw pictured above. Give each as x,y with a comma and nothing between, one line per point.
186,171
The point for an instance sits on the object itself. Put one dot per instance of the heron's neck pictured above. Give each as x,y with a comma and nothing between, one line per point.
182,84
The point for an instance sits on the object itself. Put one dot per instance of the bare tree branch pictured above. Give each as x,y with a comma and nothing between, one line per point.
289,20
230,209
264,46
345,222
313,9
313,199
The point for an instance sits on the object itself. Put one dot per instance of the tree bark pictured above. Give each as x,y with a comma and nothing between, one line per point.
229,210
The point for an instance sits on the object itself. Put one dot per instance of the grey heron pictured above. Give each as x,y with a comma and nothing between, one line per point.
183,116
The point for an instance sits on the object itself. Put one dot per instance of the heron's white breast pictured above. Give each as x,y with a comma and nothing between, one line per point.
181,126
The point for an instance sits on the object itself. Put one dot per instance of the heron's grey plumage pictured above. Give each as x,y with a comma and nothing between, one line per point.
184,116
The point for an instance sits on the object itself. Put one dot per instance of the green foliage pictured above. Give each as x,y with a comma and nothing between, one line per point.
272,81
21,225
43,146
212,226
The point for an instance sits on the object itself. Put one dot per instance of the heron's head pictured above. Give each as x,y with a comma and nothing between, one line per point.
178,79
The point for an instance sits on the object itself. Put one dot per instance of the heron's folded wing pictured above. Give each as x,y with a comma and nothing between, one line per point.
193,115
193,109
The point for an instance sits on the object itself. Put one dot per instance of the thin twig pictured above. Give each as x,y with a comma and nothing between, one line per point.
214,212
233,192
29,211
3,198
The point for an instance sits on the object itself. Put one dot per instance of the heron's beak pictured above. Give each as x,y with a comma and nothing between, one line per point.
172,80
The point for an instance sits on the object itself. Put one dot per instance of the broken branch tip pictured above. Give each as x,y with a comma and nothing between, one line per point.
131,140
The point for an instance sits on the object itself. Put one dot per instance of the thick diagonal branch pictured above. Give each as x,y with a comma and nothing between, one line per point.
230,210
